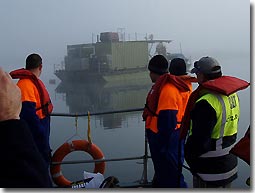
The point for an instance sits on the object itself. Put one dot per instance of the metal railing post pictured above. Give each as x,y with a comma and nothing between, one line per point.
144,179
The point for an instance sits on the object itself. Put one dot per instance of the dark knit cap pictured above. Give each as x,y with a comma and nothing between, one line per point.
158,64
177,67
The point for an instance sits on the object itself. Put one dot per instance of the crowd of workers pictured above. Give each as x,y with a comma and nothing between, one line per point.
199,126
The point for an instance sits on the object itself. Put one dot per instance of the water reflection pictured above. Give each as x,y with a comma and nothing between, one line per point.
98,97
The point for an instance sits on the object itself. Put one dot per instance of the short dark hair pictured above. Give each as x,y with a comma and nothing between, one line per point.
33,61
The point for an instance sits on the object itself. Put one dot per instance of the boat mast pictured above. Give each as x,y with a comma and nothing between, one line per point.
181,48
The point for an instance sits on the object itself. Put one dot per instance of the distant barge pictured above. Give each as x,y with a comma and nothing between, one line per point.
110,59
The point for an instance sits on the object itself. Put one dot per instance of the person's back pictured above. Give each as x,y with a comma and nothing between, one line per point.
178,68
37,121
36,103
160,114
214,113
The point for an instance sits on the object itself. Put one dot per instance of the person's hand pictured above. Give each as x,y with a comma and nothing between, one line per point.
10,97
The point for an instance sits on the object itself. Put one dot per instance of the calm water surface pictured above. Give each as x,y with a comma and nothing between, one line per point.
122,135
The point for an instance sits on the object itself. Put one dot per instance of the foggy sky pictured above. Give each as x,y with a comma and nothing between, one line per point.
201,27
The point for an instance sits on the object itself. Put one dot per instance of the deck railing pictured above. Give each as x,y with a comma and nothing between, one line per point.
145,157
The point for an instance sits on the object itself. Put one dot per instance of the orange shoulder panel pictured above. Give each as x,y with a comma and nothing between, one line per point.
28,91
169,98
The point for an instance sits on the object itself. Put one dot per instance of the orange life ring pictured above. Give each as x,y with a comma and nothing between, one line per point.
66,148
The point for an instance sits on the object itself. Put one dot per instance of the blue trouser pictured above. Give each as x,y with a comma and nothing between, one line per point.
165,160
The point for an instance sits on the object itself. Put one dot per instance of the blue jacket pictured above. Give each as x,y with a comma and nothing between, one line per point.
40,128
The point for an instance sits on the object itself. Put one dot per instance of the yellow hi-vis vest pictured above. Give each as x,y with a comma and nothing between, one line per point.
227,112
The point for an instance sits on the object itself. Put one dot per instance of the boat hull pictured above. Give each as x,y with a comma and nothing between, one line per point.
134,76
78,76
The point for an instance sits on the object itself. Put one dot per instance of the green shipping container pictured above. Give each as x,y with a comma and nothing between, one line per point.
129,55
124,55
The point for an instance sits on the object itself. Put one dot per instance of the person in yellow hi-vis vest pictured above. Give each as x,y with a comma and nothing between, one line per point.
211,118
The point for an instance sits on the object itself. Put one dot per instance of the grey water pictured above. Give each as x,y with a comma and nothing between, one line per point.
122,135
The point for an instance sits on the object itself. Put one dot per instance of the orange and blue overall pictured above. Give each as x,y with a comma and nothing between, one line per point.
164,108
36,108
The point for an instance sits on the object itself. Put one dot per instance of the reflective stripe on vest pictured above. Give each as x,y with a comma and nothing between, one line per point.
216,177
221,125
219,151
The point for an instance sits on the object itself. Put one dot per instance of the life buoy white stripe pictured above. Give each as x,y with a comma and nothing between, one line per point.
56,175
71,146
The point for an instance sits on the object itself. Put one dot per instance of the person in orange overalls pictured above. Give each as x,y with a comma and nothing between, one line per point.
162,109
36,103
178,68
